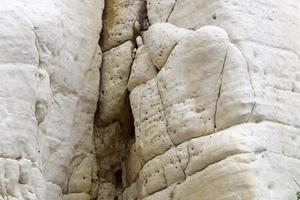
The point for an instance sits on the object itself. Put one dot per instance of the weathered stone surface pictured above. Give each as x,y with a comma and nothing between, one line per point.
142,69
111,148
185,80
152,138
49,74
130,193
115,73
119,18
205,151
160,40
76,196
159,10
247,81
236,96
219,120
106,192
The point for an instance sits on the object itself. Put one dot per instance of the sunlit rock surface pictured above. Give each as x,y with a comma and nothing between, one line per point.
191,100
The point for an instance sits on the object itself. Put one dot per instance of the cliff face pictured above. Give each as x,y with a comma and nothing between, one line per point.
197,100
49,74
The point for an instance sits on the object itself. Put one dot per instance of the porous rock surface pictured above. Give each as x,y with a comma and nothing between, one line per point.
49,74
191,100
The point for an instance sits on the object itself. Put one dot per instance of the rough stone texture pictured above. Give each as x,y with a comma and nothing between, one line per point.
142,69
49,74
115,72
119,18
159,10
160,40
219,120
228,99
111,147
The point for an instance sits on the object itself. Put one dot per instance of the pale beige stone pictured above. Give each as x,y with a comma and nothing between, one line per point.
76,196
119,18
81,178
130,193
142,69
110,144
160,40
236,95
106,192
115,73
152,138
189,85
159,10
49,72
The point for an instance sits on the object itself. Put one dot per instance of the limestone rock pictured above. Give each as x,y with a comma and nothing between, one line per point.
106,192
142,69
262,21
115,73
76,196
236,97
159,10
130,193
195,75
111,146
220,119
134,164
119,18
49,72
81,178
53,192
152,138
160,40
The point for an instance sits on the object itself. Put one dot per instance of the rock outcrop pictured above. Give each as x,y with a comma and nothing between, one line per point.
49,73
190,100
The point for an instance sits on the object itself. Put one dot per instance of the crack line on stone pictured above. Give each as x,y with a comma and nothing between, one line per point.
183,169
205,168
220,88
117,45
164,113
175,3
218,132
258,43
242,152
251,83
295,181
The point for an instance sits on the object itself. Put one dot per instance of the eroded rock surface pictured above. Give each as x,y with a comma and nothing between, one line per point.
220,120
49,72
194,99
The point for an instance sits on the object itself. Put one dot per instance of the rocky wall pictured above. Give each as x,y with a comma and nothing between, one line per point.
49,74
190,99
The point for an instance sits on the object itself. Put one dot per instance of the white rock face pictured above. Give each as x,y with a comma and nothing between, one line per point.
194,99
142,69
49,73
160,40
225,101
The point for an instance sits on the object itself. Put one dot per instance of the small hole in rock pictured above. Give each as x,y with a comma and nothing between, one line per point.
214,16
118,177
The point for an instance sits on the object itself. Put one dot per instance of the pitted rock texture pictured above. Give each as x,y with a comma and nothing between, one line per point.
191,99
49,72
221,119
